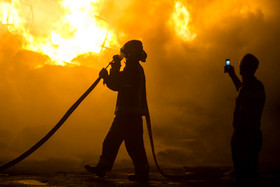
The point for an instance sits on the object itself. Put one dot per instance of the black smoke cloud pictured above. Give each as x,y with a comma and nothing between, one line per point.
191,100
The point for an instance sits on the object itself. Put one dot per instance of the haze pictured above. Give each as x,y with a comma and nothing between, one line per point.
191,100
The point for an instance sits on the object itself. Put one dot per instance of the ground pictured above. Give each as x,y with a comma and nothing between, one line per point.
195,177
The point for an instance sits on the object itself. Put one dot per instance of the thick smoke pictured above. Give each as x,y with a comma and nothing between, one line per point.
191,100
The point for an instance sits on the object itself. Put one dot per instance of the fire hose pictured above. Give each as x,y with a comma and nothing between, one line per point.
54,129
67,115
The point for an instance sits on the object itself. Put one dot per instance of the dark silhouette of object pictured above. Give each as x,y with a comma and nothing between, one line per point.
131,106
247,137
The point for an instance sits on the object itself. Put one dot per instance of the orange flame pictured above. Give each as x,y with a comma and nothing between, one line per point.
180,22
79,31
9,15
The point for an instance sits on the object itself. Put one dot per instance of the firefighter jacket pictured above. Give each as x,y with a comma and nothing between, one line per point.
131,87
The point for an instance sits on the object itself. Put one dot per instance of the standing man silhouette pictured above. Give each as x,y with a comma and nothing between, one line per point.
247,137
131,106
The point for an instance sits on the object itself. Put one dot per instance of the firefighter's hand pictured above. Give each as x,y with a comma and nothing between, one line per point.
116,64
117,58
103,74
230,70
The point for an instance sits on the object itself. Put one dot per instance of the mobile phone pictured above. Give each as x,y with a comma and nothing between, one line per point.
227,62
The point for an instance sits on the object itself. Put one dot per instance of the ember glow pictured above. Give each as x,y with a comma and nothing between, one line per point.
79,31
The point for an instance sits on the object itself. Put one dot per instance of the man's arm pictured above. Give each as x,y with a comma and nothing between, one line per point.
114,79
230,70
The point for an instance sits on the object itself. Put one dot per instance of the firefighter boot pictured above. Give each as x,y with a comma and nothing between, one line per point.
97,170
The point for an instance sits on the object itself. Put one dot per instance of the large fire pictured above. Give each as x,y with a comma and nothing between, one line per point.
80,28
79,31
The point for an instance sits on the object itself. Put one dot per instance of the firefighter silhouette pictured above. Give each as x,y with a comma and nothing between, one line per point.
130,107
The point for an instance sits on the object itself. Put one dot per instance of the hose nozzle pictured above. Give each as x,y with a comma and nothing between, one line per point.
116,59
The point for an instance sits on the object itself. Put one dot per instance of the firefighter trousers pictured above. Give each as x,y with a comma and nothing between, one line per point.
128,128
